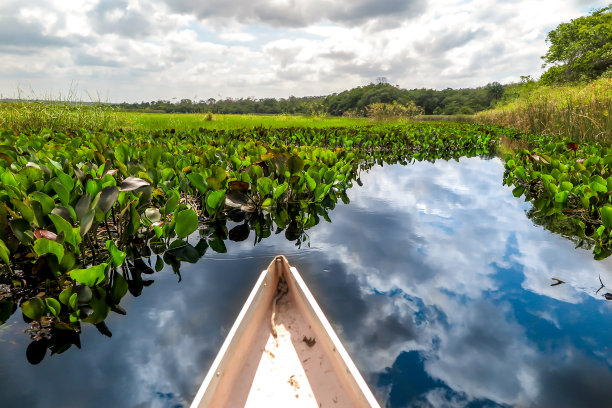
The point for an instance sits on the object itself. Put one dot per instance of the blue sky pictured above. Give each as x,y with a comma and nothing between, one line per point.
132,50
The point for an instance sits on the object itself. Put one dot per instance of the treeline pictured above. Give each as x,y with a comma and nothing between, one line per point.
348,103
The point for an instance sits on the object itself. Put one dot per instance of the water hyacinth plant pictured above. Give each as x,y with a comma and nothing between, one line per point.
83,214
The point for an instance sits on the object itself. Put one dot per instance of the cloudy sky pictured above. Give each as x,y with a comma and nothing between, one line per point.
135,50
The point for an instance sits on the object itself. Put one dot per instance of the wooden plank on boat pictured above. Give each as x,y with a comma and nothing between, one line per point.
282,352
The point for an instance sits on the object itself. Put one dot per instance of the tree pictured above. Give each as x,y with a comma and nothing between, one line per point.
580,49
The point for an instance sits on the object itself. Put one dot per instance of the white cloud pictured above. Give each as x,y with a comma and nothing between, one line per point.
132,50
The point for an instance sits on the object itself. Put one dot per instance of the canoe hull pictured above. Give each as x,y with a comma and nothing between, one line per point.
282,350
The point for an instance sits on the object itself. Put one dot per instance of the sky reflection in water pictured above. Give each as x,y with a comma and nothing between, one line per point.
437,282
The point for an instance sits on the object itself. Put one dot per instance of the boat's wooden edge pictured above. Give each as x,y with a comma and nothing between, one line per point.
264,290
354,378
217,369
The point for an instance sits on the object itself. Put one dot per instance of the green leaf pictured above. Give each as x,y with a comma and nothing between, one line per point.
66,181
29,175
119,289
34,308
295,164
566,186
134,223
45,201
87,222
312,184
72,301
520,172
67,213
23,209
90,276
62,193
64,296
5,254
99,306
264,186
215,201
91,187
82,206
54,306
117,256
22,231
108,198
606,215
133,183
561,196
218,245
186,222
172,201
198,182
279,190
153,215
63,226
46,246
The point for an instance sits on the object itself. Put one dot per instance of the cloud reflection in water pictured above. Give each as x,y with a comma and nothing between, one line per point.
435,279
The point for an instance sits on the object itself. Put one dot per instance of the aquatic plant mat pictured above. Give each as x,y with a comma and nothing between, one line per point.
83,212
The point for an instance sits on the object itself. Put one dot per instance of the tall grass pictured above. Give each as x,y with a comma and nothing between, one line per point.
57,116
582,112
61,113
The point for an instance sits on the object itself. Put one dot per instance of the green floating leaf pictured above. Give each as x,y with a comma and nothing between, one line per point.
133,183
64,296
67,213
606,215
45,201
215,201
73,301
172,201
54,306
312,184
22,231
24,210
279,190
119,288
62,193
63,226
82,206
87,222
186,223
34,308
264,186
108,198
47,246
100,307
153,215
117,256
295,164
90,276
198,182
5,254
561,196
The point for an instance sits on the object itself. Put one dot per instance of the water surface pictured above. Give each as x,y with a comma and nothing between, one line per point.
434,277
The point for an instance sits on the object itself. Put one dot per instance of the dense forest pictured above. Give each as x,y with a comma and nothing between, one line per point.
348,103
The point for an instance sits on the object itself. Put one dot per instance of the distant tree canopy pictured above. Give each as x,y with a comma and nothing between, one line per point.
353,102
446,102
580,49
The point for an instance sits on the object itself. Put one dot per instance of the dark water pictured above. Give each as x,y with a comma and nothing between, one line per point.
436,280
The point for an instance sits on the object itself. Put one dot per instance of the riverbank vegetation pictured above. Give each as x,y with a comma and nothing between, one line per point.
580,112
83,214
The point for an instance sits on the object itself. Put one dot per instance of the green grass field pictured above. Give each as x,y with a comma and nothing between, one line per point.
33,116
186,121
